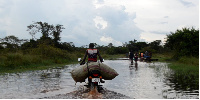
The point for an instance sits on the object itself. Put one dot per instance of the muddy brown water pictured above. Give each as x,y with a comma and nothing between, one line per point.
140,81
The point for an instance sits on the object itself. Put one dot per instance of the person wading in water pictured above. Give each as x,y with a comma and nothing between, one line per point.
131,56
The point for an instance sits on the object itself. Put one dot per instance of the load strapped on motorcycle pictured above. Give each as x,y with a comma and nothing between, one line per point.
94,75
94,70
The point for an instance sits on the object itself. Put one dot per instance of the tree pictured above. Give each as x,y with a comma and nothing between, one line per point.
1,47
155,45
12,42
124,44
141,45
132,45
56,34
28,45
44,28
110,45
48,32
184,42
67,46
32,30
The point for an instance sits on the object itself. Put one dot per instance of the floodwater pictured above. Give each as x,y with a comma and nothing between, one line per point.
140,81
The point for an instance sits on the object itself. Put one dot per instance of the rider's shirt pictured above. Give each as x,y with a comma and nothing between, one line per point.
92,54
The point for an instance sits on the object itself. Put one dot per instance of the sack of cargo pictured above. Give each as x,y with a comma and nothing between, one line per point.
107,72
80,74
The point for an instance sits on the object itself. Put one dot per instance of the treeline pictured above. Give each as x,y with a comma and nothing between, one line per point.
48,49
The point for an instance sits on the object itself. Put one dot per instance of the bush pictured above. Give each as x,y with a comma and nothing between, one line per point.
47,51
184,42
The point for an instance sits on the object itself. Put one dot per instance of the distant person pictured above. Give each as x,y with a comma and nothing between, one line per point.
92,54
146,53
141,56
150,54
131,55
136,57
147,56
127,55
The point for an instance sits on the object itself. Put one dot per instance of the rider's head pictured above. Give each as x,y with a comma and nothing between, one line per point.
91,45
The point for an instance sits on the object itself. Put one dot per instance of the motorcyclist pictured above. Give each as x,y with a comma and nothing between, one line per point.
92,54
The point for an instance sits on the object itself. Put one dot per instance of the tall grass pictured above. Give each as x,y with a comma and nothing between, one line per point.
162,57
34,58
186,72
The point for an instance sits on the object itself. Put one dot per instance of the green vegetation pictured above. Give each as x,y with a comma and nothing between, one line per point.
182,53
186,73
163,56
16,55
184,42
36,58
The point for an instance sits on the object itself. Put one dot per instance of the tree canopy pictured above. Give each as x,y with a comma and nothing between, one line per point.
184,42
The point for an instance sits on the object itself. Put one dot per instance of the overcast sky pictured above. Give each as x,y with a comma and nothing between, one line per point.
100,21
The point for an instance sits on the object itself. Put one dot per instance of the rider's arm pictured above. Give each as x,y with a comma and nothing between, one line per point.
84,57
101,59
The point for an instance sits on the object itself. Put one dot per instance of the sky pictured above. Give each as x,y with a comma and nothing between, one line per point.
100,21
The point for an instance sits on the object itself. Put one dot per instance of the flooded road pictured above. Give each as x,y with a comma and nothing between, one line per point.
140,81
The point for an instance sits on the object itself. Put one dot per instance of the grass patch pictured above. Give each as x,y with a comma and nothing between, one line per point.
186,73
35,59
162,57
45,64
186,70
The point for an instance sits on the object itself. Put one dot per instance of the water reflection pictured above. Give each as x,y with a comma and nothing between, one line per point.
145,80
50,80
141,81
133,67
36,84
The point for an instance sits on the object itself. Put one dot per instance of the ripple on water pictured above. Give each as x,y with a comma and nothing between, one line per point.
141,80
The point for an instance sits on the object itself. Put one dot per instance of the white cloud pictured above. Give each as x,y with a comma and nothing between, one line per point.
110,40
100,23
149,36
120,25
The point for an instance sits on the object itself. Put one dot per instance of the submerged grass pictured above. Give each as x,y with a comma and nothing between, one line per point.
186,72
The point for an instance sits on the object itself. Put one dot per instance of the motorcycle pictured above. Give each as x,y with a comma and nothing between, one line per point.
94,78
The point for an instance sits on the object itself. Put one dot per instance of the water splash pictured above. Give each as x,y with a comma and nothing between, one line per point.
93,94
